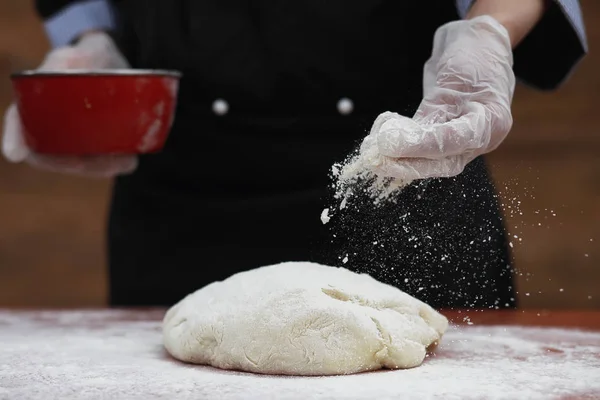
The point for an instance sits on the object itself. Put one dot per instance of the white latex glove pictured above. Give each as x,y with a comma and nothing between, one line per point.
94,51
468,89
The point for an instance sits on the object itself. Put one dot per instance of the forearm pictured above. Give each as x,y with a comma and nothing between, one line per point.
519,17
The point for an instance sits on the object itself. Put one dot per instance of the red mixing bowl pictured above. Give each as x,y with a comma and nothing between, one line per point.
96,112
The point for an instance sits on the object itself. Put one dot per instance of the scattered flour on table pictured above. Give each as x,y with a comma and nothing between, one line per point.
119,355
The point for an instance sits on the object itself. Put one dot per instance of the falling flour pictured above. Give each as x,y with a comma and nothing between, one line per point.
361,173
358,173
325,216
119,355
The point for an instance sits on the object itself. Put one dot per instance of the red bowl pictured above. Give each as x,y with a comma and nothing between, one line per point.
96,112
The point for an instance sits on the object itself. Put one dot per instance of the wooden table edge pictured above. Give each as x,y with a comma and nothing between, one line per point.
578,319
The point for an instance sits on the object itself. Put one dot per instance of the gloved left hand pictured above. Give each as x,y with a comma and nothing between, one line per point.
468,89
95,50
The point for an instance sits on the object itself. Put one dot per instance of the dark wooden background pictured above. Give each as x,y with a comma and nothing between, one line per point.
548,172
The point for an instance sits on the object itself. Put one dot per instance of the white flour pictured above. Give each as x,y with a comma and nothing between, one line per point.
368,169
359,174
52,356
325,216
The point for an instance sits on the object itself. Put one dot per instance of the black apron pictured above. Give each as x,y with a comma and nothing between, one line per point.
237,191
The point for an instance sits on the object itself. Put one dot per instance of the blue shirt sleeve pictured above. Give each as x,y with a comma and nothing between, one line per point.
552,50
66,25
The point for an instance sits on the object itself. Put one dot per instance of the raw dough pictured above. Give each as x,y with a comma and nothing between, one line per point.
300,318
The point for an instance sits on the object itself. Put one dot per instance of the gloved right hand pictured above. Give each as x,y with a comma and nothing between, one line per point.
95,50
468,87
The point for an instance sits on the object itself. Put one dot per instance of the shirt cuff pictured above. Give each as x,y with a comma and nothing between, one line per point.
65,26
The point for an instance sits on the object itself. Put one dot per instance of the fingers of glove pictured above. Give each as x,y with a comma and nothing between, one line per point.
76,58
370,142
101,43
406,138
415,169
444,107
13,144
382,119
67,58
97,51
93,166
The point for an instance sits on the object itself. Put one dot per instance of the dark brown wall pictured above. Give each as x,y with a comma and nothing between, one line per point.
52,226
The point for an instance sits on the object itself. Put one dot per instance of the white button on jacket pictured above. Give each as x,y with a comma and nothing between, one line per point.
345,106
220,107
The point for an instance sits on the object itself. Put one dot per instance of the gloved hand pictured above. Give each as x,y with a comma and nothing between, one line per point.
468,89
94,51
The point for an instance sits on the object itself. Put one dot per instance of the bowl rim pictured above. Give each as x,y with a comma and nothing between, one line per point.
97,73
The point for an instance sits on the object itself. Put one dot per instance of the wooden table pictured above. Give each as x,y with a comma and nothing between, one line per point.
587,320
97,354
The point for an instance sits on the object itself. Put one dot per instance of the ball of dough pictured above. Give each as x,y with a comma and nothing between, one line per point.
301,318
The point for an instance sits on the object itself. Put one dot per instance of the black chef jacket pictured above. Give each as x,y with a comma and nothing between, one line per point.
244,188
